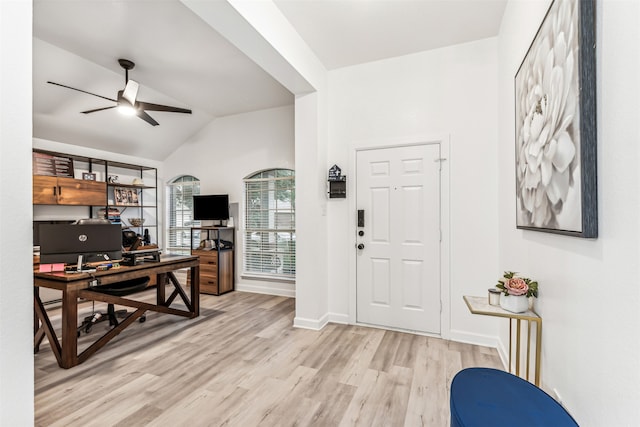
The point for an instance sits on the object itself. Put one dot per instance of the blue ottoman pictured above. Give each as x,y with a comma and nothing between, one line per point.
489,397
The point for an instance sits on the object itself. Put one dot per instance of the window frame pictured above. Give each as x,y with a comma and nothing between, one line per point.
185,248
274,234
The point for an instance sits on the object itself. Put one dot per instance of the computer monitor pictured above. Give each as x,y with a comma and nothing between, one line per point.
38,223
214,206
63,243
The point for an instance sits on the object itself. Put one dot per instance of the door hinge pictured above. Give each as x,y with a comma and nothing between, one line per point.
440,160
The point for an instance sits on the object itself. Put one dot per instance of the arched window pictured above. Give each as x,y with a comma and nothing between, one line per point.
270,232
180,194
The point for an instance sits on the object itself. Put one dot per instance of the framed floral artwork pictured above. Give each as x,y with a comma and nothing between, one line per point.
555,94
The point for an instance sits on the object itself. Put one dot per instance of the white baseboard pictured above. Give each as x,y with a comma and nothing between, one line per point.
339,318
314,324
504,354
268,288
483,340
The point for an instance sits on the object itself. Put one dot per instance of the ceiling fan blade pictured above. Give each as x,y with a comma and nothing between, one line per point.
97,109
158,107
131,91
147,118
83,91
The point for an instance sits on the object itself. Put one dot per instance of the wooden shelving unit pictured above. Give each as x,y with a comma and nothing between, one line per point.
118,190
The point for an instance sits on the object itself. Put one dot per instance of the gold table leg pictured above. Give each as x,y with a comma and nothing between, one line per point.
538,350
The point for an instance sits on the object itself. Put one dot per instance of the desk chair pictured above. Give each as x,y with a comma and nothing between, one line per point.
117,289
120,289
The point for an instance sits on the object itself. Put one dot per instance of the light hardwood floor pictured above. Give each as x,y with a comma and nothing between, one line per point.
241,363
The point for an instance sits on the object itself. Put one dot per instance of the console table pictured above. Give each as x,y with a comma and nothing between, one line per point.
81,285
480,305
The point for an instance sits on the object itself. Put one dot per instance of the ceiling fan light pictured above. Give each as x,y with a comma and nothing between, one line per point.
126,109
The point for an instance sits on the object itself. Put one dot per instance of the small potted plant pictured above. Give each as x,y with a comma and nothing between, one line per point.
516,291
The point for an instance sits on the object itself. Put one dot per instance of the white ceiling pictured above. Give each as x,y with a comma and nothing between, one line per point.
183,62
180,61
349,32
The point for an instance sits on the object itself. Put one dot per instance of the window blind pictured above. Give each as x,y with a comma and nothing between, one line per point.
269,235
180,197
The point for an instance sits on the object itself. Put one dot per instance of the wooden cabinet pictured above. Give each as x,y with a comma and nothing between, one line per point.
52,190
216,271
214,247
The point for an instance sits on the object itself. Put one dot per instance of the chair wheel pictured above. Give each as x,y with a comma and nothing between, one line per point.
142,319
87,329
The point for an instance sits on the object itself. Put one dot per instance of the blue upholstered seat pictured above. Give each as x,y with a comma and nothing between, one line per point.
483,397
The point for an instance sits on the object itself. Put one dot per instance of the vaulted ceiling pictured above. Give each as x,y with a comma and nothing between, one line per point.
181,61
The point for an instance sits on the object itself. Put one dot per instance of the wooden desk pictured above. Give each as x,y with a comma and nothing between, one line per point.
80,285
480,305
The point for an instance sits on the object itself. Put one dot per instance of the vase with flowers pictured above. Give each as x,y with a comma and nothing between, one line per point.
516,291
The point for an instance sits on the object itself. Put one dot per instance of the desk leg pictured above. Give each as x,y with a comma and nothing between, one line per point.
38,330
69,328
161,283
45,328
195,289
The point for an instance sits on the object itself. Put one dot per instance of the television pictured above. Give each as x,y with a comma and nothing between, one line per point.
63,243
214,207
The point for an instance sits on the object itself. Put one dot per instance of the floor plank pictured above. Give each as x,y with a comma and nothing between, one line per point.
241,363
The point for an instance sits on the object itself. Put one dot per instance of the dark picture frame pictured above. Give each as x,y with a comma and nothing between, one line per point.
126,196
555,129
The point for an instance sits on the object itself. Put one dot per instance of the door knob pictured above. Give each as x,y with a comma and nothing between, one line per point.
360,246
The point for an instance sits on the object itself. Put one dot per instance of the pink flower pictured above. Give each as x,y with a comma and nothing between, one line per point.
516,286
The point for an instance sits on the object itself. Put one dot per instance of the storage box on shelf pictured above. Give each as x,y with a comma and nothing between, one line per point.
214,246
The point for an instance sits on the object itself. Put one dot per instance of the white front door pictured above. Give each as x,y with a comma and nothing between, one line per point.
398,260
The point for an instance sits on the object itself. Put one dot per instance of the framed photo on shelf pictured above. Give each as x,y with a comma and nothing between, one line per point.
555,129
88,176
126,196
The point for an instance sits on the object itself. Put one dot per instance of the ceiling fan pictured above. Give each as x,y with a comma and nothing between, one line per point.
126,100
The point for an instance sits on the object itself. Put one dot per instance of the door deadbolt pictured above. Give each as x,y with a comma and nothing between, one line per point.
361,233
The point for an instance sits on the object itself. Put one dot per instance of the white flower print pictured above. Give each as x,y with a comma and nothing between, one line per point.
547,124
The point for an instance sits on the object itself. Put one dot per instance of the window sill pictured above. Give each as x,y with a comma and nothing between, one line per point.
268,278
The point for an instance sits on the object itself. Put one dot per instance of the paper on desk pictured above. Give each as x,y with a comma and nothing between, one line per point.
48,268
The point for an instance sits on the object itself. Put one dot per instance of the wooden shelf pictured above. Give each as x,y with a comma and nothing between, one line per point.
142,187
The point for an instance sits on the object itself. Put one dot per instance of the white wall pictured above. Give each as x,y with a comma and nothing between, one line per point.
228,150
312,237
260,31
589,290
451,92
16,267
